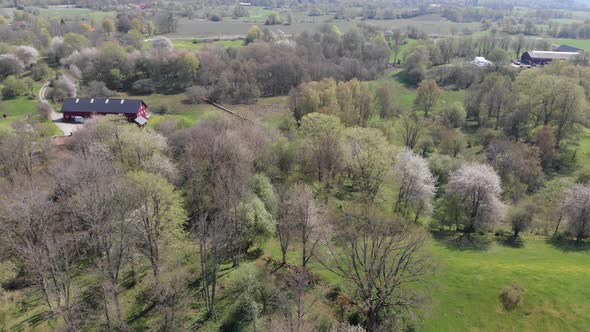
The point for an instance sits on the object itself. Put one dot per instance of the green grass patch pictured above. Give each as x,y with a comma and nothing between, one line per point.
468,285
257,14
579,43
69,13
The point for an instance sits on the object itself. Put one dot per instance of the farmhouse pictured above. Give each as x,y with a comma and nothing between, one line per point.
134,109
541,58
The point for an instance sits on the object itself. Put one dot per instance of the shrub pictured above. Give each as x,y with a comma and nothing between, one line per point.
512,296
13,87
44,110
164,109
196,94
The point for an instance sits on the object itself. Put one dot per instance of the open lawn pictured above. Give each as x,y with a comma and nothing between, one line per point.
579,43
191,44
466,288
17,109
71,13
430,24
469,283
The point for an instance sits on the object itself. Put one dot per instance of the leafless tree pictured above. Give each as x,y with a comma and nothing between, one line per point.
42,243
100,206
286,223
381,260
310,225
411,129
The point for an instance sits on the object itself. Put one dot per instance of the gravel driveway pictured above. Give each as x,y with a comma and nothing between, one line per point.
67,127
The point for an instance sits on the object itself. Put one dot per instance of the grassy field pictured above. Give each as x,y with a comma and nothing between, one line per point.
20,108
470,282
579,43
189,44
430,24
71,13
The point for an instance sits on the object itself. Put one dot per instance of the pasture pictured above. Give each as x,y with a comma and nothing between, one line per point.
579,43
430,24
468,285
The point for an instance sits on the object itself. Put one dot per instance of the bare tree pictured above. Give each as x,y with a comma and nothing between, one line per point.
286,223
42,243
159,216
411,129
428,94
309,222
101,207
381,260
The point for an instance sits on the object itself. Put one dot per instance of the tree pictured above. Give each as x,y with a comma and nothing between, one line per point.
96,89
546,143
369,160
453,116
499,57
187,69
108,25
10,64
28,55
273,19
323,153
428,94
576,207
196,94
521,217
411,129
101,206
309,225
381,260
416,184
254,33
166,22
478,188
386,100
45,246
161,42
159,216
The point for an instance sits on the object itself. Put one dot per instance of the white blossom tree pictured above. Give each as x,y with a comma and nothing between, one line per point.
27,54
478,188
416,184
576,209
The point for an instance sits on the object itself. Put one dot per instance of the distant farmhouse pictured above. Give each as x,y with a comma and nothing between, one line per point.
74,109
541,58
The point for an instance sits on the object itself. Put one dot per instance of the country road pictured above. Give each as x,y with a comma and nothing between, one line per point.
57,118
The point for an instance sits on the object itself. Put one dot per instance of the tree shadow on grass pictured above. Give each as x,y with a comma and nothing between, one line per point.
462,241
402,77
510,241
567,245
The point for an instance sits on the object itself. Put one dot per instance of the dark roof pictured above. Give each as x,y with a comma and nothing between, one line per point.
101,105
568,48
547,55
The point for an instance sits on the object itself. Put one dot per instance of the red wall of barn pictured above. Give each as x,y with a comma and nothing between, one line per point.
143,109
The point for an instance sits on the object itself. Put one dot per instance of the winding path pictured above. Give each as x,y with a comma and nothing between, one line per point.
57,118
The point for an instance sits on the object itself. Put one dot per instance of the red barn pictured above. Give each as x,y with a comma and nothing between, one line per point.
134,109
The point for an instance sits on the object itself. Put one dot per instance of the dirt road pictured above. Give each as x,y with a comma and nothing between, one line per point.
57,118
